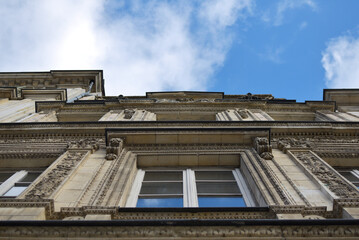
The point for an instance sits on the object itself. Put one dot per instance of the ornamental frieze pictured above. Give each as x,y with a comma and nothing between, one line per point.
52,179
326,175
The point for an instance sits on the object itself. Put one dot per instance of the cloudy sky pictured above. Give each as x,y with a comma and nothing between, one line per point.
290,48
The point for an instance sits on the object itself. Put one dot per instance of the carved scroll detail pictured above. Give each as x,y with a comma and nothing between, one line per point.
53,179
326,175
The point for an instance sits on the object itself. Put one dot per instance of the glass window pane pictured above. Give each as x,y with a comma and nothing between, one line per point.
5,175
214,175
349,176
221,202
159,202
14,191
225,187
30,177
163,176
161,188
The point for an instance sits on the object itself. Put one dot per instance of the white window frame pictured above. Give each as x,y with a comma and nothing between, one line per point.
353,171
13,180
190,198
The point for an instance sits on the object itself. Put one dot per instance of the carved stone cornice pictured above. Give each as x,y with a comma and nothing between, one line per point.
161,215
299,209
85,144
48,204
185,147
234,230
339,204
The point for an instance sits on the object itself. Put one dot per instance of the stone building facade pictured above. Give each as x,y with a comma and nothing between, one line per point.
77,164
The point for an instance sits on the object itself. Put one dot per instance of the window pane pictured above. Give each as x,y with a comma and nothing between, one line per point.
5,175
30,177
349,176
163,176
214,175
161,188
14,191
221,202
159,202
225,187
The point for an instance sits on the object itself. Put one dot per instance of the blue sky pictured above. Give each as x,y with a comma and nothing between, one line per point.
289,48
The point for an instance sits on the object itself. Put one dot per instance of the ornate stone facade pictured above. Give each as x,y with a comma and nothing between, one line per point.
74,156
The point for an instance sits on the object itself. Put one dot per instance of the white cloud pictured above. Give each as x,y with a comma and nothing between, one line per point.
140,45
286,5
303,25
341,62
273,55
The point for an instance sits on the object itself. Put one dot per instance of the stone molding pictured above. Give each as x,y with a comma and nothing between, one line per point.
105,183
239,231
267,177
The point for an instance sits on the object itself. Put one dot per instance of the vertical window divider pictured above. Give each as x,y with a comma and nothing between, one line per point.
190,193
243,188
137,183
356,173
10,182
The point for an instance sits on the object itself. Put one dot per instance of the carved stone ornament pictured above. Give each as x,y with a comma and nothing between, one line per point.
243,113
114,148
128,113
327,176
48,183
85,144
267,155
286,143
263,148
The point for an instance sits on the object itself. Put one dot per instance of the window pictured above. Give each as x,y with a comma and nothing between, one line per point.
351,174
13,183
189,188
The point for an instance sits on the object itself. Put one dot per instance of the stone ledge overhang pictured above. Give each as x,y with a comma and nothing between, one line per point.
242,136
8,92
36,94
214,106
180,229
54,78
278,128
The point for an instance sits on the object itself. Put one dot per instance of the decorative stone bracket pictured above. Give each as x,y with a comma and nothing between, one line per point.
263,148
114,149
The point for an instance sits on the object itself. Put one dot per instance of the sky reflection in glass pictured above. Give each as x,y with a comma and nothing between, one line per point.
160,202
221,202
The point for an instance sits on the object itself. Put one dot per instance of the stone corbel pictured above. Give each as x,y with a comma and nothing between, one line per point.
114,149
84,144
263,148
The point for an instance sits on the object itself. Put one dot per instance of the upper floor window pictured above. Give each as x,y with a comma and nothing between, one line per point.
189,188
13,183
351,174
